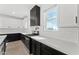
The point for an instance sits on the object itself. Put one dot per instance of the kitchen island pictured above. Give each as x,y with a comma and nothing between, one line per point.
62,46
66,47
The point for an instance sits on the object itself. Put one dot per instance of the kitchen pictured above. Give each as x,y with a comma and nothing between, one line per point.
42,29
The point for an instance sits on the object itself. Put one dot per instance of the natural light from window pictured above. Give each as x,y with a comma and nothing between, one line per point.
52,15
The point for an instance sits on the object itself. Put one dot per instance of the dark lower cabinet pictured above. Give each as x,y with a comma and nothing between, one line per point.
26,42
13,37
38,48
33,47
46,50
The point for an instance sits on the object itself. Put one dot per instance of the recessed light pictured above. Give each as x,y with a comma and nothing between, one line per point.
13,12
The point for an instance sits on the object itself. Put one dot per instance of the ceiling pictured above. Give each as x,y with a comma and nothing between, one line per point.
18,10
15,10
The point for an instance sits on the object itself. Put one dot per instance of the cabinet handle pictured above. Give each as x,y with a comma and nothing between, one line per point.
76,19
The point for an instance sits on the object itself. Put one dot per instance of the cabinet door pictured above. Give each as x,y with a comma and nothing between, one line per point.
32,17
13,37
78,14
46,50
37,48
67,15
38,16
26,42
35,16
33,47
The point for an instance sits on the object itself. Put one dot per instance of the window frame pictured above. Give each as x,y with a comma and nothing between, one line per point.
45,18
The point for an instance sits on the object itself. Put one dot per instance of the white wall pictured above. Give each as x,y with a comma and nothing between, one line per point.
67,34
12,25
8,22
29,28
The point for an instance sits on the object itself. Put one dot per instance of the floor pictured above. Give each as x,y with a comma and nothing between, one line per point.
16,48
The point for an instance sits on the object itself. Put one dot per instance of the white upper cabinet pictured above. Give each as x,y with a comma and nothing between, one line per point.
68,15
78,14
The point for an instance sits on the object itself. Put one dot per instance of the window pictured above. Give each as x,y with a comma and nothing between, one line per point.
51,19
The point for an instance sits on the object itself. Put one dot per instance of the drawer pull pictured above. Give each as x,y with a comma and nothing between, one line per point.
76,19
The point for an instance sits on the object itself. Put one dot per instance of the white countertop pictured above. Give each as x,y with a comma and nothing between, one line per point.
12,30
2,38
63,46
